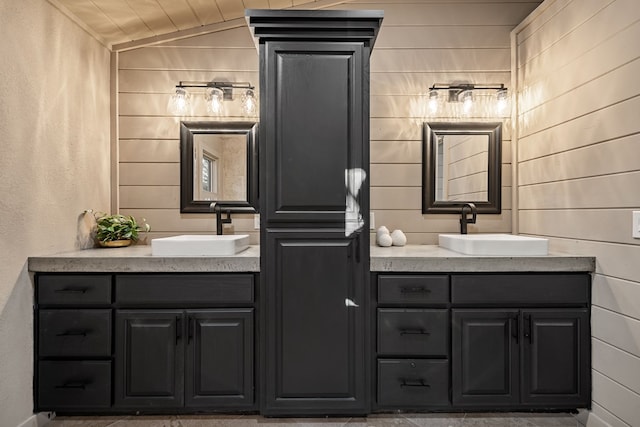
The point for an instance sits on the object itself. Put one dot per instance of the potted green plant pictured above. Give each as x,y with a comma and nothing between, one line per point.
117,230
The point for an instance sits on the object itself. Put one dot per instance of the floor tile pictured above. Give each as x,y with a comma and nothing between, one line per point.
436,420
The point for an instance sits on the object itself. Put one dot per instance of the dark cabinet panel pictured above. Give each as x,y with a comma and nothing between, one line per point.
413,383
183,290
219,368
149,358
414,289
485,353
314,318
314,127
73,289
556,357
74,385
418,332
528,358
74,333
520,290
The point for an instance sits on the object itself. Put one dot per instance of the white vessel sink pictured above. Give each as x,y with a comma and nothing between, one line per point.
199,245
494,244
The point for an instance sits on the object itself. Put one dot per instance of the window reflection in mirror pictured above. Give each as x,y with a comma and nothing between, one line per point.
223,175
461,164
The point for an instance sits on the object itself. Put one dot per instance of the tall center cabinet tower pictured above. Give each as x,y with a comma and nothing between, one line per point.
314,209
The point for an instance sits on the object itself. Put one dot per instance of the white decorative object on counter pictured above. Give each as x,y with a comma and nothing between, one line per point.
398,238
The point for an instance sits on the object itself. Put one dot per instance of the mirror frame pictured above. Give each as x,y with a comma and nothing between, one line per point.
187,131
430,131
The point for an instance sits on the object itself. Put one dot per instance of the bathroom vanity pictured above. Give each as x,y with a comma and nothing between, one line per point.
119,330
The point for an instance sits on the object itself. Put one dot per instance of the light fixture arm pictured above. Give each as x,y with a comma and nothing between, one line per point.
225,87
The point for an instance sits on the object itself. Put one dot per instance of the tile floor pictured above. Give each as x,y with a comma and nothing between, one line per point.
383,420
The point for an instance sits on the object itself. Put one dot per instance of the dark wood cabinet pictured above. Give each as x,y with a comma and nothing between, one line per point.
556,362
314,341
179,342
519,341
485,357
195,358
149,358
219,359
412,342
73,342
532,351
314,208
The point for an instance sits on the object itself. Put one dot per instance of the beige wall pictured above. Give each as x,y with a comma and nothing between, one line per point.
578,147
54,163
420,43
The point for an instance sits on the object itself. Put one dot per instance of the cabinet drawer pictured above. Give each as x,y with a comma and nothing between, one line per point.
411,383
180,289
74,289
413,289
413,332
520,289
74,385
74,333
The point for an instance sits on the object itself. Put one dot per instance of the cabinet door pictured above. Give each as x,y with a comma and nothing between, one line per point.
149,358
219,365
556,369
315,338
315,130
485,353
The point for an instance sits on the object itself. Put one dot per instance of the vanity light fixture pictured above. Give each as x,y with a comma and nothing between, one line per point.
215,93
465,93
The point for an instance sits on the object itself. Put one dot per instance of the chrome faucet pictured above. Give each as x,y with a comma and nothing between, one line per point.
467,208
219,220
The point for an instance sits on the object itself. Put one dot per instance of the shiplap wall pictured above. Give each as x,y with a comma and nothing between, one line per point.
420,43
578,148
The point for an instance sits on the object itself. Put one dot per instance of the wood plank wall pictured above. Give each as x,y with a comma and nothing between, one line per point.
578,148
421,42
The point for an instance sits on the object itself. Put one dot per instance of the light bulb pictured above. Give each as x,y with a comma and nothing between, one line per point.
433,101
214,97
502,98
467,101
179,103
249,103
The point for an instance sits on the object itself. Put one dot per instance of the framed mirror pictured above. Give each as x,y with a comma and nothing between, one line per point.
218,163
461,163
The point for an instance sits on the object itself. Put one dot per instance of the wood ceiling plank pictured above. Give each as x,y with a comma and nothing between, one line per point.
153,16
231,9
256,4
301,2
206,11
280,4
125,18
180,13
87,12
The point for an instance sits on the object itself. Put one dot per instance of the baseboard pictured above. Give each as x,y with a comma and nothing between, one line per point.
587,418
40,419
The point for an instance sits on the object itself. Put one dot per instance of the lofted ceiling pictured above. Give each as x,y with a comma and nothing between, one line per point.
116,22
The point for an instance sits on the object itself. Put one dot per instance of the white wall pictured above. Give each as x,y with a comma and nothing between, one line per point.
54,163
578,148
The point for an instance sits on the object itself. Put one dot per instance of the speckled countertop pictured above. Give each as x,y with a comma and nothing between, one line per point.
410,258
432,258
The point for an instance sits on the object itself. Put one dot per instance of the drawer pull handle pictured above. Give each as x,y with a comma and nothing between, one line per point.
74,385
71,290
414,332
414,383
414,290
74,333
